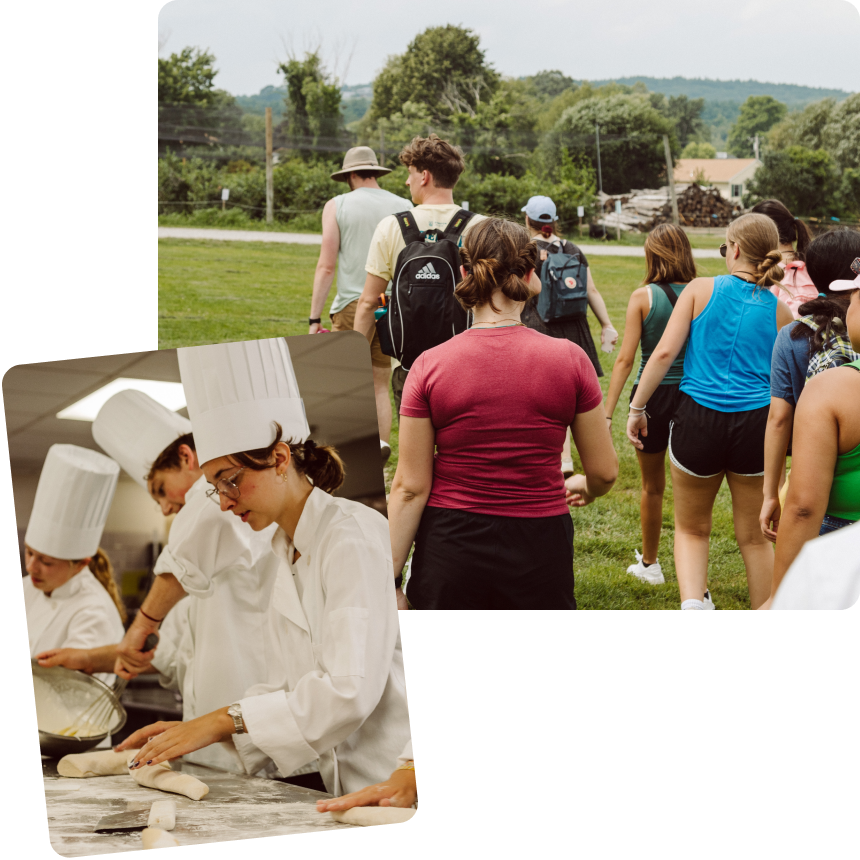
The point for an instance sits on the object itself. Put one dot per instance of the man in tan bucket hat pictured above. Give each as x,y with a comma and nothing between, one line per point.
348,222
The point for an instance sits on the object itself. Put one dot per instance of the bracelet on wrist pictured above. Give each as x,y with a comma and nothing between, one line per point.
639,409
316,321
153,620
410,765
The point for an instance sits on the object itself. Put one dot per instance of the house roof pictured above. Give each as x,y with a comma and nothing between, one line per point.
714,169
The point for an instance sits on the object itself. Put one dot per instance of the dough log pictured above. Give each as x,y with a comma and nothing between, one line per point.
153,837
101,763
162,814
367,816
160,776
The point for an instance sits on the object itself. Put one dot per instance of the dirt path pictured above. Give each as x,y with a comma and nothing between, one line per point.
316,239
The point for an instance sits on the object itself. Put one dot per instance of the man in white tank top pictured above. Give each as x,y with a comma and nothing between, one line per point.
348,223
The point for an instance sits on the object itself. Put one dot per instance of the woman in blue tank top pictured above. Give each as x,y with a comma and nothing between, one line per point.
719,423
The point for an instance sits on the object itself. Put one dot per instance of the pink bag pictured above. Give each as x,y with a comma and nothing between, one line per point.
796,287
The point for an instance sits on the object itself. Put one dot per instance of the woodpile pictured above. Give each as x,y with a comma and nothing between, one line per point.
644,209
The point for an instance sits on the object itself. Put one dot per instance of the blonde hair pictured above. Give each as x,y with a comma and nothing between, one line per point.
758,239
102,570
668,256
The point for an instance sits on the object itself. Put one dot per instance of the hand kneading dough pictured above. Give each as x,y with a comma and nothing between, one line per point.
160,776
154,838
101,763
366,816
163,814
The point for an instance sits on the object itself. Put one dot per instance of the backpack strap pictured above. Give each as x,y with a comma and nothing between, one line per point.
670,293
457,224
408,227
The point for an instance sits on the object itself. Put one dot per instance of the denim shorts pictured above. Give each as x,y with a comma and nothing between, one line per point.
832,524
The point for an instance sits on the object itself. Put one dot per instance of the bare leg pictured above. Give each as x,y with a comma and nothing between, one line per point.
381,375
653,468
755,548
694,507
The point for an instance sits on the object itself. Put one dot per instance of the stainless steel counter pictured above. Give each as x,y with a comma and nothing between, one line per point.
237,807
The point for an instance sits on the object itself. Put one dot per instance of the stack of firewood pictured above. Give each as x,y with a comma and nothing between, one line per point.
699,207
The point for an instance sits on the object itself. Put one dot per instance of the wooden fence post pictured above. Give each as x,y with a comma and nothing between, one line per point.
670,173
270,180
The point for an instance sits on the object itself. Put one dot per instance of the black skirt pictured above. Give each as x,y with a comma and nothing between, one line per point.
575,329
464,560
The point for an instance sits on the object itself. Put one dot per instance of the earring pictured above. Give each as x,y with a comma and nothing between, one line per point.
283,476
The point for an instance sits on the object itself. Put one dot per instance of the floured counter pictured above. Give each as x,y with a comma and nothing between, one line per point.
237,807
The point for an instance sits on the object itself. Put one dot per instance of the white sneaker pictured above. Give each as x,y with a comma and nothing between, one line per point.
651,573
384,450
708,601
567,468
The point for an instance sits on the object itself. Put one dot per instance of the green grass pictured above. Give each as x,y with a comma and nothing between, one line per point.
211,292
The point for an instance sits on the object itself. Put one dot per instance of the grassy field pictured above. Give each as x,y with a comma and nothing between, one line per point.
219,291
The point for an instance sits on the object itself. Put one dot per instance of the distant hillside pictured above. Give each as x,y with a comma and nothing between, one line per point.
732,91
356,101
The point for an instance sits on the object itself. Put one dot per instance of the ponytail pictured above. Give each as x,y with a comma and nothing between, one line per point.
102,570
321,463
791,230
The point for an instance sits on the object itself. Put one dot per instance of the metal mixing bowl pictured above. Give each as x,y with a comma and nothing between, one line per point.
78,691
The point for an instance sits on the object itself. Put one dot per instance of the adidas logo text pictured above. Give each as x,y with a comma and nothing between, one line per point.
428,273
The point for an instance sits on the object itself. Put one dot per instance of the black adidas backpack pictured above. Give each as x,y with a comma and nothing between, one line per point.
422,311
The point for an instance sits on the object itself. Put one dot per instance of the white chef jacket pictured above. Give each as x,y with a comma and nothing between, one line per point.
212,642
825,574
79,614
339,693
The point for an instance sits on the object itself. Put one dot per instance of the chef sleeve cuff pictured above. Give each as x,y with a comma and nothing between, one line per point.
273,729
406,755
190,577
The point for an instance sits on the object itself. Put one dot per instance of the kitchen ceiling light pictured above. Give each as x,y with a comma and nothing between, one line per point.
169,394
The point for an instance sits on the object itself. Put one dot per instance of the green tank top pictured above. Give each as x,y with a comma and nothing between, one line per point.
652,330
844,499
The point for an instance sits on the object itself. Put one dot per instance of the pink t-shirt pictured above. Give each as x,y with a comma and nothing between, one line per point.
501,401
796,288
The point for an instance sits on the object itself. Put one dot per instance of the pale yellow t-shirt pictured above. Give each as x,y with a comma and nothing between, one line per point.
387,241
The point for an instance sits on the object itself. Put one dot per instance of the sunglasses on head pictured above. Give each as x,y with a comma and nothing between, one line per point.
724,248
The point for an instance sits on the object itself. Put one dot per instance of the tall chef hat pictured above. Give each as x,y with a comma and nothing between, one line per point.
134,429
72,502
235,391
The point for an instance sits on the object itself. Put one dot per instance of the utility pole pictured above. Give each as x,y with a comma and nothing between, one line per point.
755,146
670,173
270,179
599,174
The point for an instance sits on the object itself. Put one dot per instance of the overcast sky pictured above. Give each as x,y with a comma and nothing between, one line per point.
811,42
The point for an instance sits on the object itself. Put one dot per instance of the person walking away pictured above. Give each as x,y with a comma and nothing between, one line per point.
814,343
542,224
348,223
824,493
797,286
718,426
487,513
670,267
434,167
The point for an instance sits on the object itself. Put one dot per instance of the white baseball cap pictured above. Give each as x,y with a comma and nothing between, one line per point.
540,209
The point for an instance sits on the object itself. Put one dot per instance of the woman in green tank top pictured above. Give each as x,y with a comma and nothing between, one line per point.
824,492
670,266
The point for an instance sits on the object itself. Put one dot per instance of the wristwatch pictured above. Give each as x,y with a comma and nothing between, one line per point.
318,320
235,711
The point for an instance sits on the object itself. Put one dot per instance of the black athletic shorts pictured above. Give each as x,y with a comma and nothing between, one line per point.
661,408
705,442
464,560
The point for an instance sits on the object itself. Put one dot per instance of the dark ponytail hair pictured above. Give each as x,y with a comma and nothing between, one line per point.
828,259
497,254
320,463
790,229
169,458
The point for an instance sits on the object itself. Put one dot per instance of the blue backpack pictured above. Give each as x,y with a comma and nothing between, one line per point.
564,284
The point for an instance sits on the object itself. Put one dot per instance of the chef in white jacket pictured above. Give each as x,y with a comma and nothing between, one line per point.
338,690
71,598
227,570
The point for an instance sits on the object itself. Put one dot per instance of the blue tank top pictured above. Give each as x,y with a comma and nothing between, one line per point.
727,365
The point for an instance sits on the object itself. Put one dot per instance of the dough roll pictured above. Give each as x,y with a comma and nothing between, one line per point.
367,816
160,776
99,763
162,814
154,837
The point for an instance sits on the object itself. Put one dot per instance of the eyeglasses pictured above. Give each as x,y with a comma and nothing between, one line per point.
225,487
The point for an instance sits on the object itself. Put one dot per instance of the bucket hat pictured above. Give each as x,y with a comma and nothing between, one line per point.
359,158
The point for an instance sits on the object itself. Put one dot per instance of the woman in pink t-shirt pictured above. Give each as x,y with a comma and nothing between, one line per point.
487,511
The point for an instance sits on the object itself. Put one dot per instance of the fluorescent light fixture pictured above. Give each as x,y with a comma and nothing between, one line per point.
169,394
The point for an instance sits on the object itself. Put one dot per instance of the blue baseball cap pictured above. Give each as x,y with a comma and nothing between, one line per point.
540,209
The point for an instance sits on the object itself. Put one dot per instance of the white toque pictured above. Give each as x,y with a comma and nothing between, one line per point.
134,429
236,392
72,501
